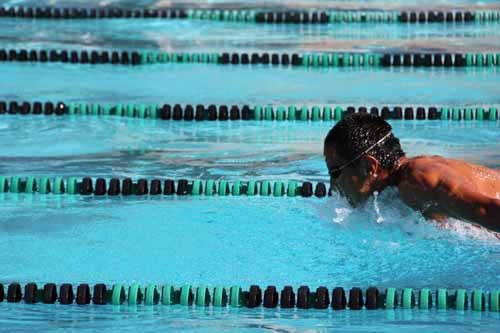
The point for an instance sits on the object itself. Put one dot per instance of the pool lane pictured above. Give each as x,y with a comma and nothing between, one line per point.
209,36
207,83
120,147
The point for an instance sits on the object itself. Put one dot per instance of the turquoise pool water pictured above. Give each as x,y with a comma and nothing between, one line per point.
235,240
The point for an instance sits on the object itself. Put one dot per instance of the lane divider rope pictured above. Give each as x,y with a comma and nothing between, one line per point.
235,296
344,59
201,112
125,187
256,15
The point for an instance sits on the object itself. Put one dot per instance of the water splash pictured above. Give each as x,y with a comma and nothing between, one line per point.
341,215
376,207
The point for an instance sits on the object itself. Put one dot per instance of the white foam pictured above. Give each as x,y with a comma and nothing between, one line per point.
466,230
341,215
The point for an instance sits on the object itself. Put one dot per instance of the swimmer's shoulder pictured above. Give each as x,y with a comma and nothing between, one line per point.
424,171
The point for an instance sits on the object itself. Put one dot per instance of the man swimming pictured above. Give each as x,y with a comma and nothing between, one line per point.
363,156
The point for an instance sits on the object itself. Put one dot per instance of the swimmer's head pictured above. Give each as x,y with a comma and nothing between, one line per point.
360,152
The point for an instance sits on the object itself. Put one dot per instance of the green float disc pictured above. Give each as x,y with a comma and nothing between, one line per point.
368,60
252,188
477,300
119,110
269,112
204,58
141,111
461,299
162,57
195,58
251,16
143,58
292,189
4,185
58,186
315,113
196,189
14,185
235,297
442,299
444,113
327,113
280,113
479,113
83,108
44,185
376,60
306,60
167,295
356,60
489,59
479,60
173,57
265,188
335,60
325,60
223,186
258,112
185,57
214,58
408,298
152,57
186,295
106,109
338,113
118,295
493,114
210,187
278,189
455,114
220,297
202,296
304,113
134,294
346,59
315,60
153,111
468,114
72,185
494,300
425,299
292,111
390,298
236,188
151,297
72,108
469,59
95,109
130,110
30,185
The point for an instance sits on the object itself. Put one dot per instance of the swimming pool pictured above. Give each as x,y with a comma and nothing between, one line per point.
233,240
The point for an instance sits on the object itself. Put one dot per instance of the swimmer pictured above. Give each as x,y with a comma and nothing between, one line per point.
363,156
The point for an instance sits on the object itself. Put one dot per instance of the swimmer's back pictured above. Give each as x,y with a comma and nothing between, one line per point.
445,187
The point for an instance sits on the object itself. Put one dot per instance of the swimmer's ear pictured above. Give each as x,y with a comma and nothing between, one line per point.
371,165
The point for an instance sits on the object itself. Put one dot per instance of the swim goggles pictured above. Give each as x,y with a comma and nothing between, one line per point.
335,172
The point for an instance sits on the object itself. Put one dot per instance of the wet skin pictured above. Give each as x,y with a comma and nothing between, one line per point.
433,185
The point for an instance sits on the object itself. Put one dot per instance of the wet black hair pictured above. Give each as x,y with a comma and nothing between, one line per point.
358,132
